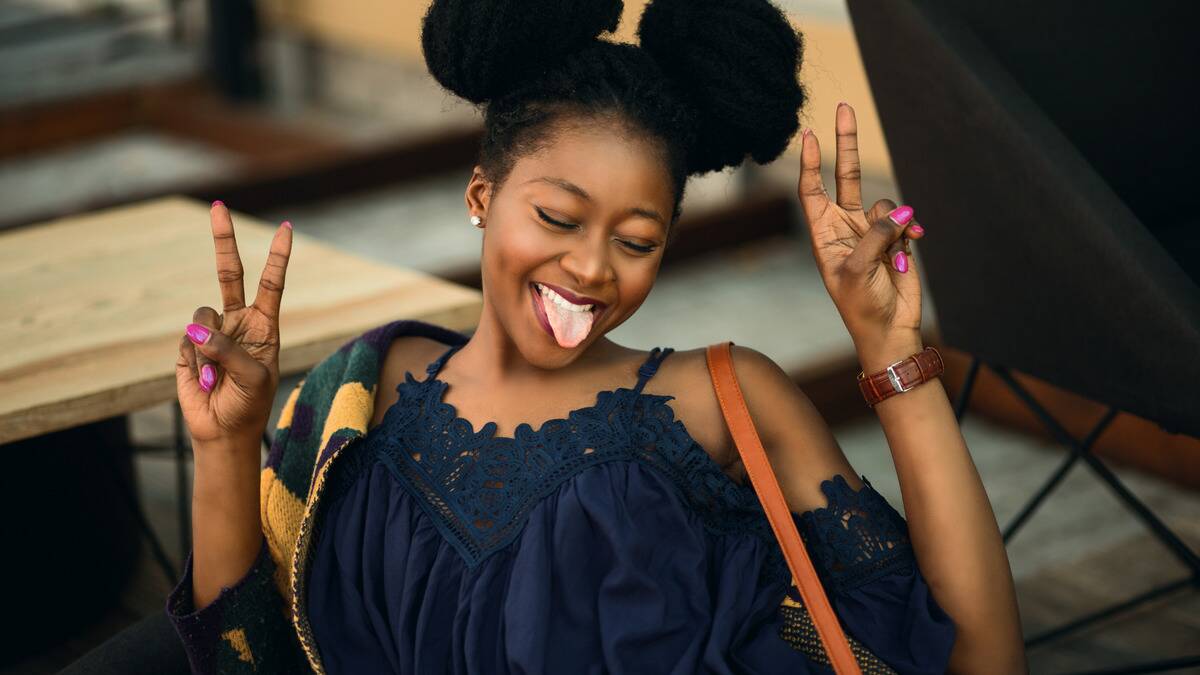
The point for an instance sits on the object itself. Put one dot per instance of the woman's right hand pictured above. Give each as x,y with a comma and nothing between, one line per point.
232,403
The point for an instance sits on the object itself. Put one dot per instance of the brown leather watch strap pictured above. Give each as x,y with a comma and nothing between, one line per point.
901,375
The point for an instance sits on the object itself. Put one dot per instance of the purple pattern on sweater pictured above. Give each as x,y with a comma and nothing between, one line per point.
302,422
336,443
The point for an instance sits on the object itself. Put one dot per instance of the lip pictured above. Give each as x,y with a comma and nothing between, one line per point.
539,311
576,299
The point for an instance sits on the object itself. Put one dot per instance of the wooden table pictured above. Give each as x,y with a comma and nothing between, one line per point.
91,311
92,307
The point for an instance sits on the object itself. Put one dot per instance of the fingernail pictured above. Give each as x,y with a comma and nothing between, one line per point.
218,203
287,224
804,134
901,215
842,103
900,262
208,377
197,333
917,229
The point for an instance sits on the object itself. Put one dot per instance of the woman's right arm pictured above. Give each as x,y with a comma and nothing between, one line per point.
230,615
226,530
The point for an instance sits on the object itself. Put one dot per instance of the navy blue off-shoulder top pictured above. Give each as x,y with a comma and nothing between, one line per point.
608,541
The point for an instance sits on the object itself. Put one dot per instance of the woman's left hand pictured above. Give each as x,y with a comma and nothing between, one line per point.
861,255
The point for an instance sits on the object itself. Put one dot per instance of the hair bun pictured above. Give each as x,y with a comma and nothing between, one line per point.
737,63
479,49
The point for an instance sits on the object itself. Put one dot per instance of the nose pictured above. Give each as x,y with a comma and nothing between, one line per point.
588,262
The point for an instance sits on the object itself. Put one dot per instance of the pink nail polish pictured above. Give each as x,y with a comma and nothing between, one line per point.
901,215
197,333
218,203
901,262
917,230
208,377
287,224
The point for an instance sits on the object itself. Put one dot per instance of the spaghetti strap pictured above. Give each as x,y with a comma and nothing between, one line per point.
650,366
433,368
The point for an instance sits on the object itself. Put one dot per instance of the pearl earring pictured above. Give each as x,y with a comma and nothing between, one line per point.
475,220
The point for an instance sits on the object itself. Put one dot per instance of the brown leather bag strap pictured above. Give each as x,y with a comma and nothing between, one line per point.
762,477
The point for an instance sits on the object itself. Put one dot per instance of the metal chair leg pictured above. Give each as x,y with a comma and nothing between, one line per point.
1082,450
129,494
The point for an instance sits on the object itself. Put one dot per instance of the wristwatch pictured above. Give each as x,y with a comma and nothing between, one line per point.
901,376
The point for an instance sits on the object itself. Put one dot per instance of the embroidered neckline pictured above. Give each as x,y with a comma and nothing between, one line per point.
478,487
487,432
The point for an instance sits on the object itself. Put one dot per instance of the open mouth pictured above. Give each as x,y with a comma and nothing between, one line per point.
568,323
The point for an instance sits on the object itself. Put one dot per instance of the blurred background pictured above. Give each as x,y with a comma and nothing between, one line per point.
120,120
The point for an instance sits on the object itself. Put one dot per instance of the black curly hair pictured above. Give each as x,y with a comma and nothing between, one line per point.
711,82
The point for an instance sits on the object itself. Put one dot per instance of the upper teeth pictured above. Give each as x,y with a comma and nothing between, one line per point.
561,301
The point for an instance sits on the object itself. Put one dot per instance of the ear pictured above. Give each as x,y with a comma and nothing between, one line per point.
479,193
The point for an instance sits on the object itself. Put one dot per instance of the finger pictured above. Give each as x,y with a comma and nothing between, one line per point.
186,379
813,197
231,359
881,209
204,320
847,171
912,231
188,351
229,263
270,285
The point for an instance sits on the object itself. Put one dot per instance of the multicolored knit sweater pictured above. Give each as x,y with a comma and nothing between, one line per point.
259,624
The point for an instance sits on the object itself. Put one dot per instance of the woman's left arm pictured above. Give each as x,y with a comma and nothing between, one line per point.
862,257
950,520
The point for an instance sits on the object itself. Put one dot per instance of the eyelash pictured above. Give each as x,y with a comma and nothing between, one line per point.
635,247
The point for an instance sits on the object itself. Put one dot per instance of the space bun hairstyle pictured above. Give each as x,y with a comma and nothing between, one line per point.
711,82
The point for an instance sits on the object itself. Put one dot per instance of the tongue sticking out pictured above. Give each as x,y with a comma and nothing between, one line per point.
570,328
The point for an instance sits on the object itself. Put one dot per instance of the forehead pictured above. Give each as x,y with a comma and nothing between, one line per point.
616,168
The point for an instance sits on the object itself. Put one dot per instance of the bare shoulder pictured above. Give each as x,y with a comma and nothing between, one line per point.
684,375
406,353
798,442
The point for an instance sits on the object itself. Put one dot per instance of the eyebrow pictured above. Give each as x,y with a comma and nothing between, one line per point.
583,194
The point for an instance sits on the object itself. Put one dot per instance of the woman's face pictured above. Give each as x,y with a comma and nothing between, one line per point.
587,215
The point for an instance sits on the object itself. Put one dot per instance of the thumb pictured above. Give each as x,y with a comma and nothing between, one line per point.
887,227
229,356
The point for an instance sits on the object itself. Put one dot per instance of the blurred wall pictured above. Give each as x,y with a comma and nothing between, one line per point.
832,70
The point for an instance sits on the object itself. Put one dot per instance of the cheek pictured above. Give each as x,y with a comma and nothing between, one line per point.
526,246
635,282
512,251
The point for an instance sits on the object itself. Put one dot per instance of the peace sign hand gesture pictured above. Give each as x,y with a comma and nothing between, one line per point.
862,256
228,366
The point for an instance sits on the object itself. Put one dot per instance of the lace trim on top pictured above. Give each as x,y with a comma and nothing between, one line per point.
857,537
478,488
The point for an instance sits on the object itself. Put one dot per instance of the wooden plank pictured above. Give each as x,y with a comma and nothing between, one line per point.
270,182
37,127
95,305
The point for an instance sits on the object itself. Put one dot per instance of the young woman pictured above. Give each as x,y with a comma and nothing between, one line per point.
545,500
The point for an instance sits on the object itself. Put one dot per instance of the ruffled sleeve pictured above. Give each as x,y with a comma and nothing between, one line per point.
860,548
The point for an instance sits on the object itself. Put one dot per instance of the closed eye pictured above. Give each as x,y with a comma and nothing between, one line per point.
570,226
548,219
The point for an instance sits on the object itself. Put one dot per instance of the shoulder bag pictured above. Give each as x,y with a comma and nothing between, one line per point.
762,477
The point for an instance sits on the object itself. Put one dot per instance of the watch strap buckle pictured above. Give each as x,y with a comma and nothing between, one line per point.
894,378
